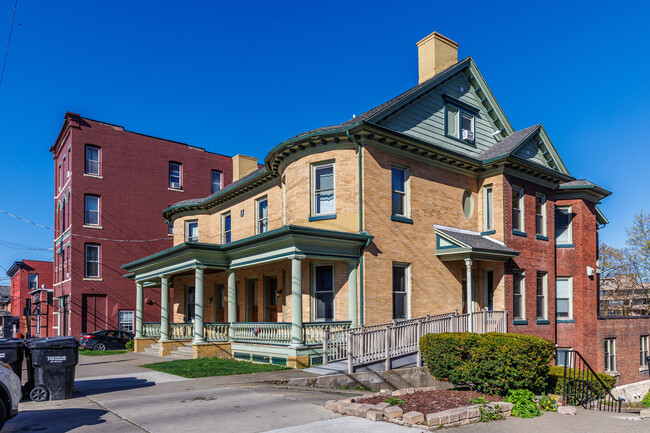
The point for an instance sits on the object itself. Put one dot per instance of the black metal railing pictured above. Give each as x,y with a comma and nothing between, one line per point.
582,386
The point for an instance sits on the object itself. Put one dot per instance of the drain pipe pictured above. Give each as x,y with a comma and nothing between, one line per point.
360,172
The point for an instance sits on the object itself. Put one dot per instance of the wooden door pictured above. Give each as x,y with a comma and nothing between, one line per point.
271,299
93,313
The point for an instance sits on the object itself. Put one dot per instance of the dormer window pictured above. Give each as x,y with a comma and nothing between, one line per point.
459,123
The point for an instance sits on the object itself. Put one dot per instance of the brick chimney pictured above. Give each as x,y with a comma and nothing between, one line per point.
242,165
435,54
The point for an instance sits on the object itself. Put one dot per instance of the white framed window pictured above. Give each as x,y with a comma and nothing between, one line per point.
400,187
459,123
262,215
563,229
92,160
564,298
33,281
542,296
91,212
488,211
215,181
519,295
563,356
175,175
610,354
644,350
400,291
323,292
92,261
323,191
126,320
226,228
540,214
191,231
517,209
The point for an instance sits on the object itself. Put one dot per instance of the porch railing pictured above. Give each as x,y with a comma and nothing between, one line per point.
268,333
312,332
370,344
181,331
216,331
151,329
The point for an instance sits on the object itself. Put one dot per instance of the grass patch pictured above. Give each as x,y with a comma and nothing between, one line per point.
205,367
87,352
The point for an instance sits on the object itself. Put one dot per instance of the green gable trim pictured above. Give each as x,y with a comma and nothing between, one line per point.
460,104
600,218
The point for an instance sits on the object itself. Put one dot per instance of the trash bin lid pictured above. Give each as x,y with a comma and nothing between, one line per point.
53,343
10,343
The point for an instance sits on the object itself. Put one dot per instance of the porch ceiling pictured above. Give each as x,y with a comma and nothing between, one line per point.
283,243
459,244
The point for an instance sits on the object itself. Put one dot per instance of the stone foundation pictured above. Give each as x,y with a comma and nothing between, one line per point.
212,350
297,361
166,347
139,344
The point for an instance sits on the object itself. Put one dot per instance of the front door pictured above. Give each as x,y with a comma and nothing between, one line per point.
93,313
271,299
489,290
251,300
189,305
219,311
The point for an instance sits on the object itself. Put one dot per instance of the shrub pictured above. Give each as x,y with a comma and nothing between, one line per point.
524,404
646,400
577,380
395,401
547,403
491,363
129,346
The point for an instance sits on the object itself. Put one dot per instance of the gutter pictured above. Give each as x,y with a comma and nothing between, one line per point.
360,174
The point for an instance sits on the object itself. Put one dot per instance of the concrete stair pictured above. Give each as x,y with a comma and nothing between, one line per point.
184,351
153,349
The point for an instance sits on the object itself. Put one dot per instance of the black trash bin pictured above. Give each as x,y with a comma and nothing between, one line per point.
51,366
11,352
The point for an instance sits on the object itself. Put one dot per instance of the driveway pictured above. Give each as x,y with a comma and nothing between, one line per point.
114,395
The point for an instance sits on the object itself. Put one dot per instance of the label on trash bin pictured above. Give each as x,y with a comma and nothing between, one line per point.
3,355
56,359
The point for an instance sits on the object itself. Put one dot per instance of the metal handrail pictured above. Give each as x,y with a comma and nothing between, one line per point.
576,368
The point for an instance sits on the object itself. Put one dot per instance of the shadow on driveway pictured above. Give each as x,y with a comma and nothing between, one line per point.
54,420
100,386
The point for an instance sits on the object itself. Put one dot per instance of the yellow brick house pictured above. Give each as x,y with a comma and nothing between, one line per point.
387,216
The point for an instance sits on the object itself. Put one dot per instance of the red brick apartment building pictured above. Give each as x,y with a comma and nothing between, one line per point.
110,187
31,286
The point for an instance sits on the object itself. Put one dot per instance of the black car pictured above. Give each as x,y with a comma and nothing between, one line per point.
110,339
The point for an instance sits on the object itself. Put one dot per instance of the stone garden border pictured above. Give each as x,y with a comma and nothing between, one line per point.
386,412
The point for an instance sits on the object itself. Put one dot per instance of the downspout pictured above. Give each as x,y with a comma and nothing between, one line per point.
359,175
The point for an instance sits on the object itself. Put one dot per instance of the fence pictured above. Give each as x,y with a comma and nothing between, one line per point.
376,343
582,386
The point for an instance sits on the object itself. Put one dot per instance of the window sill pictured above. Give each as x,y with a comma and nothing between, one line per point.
541,237
614,373
175,189
322,217
643,369
93,279
93,227
543,322
564,245
518,233
520,322
96,176
469,143
489,232
565,321
401,219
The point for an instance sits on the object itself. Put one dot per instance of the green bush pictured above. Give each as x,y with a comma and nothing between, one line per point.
129,346
578,380
491,363
524,404
646,400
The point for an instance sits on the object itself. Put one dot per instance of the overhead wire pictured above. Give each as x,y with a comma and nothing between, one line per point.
11,28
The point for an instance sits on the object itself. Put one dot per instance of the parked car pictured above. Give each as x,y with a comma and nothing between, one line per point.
10,393
110,339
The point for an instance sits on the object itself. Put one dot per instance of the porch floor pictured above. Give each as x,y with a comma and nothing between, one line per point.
341,367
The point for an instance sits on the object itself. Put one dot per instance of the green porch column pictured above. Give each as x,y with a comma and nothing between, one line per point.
164,308
296,302
232,303
139,309
470,299
352,294
198,305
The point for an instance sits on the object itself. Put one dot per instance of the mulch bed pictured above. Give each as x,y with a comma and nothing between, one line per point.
428,402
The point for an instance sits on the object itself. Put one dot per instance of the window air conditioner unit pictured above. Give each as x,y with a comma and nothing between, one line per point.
67,274
468,135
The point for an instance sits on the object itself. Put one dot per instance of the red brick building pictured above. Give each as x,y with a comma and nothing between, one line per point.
623,347
110,187
31,280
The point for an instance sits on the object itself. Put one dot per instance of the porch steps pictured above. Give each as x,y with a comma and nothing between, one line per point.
185,351
153,349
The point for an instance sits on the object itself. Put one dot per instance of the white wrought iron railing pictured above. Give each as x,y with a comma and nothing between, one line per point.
370,344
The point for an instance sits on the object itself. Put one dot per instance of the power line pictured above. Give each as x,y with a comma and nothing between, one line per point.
11,28
17,246
83,236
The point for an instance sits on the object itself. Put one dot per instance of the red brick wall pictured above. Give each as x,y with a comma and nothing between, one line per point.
20,294
627,332
134,189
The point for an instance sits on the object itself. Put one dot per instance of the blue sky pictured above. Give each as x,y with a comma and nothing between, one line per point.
240,77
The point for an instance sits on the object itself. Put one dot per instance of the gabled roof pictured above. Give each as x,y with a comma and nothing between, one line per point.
455,244
509,144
